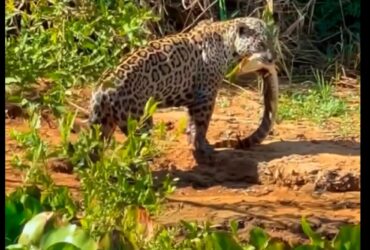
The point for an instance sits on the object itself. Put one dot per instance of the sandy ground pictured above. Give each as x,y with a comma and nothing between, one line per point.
300,169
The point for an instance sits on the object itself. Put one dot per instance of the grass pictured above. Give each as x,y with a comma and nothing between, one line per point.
223,102
317,104
347,128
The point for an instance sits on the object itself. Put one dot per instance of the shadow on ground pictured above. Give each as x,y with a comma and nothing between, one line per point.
240,168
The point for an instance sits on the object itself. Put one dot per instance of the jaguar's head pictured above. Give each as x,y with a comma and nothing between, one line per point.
250,41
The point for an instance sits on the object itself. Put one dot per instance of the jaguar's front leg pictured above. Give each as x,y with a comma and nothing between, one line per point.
200,112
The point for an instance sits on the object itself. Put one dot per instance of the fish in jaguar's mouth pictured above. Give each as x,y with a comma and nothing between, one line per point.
258,62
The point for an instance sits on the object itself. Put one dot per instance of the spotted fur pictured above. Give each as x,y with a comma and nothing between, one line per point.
183,70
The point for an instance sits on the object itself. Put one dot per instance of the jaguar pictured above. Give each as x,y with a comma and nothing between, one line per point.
186,69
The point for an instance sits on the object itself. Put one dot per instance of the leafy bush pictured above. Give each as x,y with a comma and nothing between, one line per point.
120,178
34,163
47,230
26,202
115,179
68,45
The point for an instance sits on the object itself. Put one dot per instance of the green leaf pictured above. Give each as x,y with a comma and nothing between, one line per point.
259,238
150,107
115,240
234,227
9,80
231,76
13,225
34,229
224,241
63,246
95,61
249,247
191,227
348,238
68,234
314,237
31,204
275,244
17,247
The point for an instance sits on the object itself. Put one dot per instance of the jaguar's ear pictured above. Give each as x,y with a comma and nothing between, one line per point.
205,21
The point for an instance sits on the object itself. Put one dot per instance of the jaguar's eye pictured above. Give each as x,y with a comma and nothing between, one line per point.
263,46
244,31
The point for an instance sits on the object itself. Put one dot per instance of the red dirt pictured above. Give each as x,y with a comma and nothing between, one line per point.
301,169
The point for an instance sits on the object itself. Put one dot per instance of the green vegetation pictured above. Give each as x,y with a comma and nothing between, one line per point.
67,45
317,103
223,102
63,44
43,229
